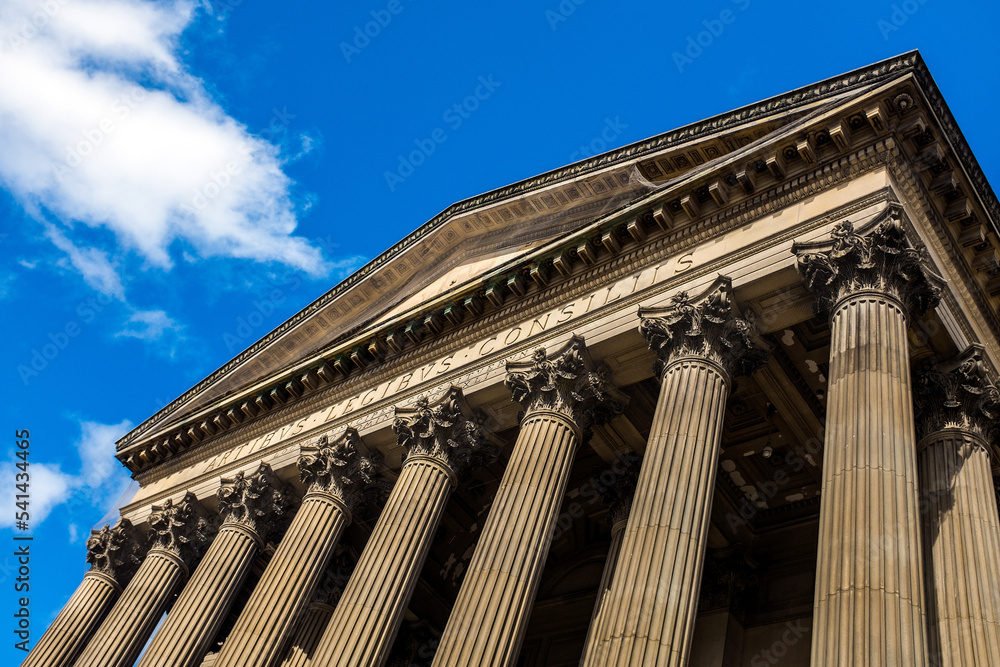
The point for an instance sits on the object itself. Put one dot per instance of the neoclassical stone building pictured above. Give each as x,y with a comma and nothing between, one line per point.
724,397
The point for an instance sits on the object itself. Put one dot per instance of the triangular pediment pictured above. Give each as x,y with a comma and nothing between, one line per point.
451,263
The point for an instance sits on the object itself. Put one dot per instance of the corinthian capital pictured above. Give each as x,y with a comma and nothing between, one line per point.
181,528
567,382
256,501
961,395
878,257
702,326
344,466
116,552
447,429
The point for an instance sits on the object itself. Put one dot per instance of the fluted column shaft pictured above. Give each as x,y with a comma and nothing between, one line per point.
869,606
128,626
201,608
961,534
607,576
368,615
490,616
650,610
75,624
307,634
287,584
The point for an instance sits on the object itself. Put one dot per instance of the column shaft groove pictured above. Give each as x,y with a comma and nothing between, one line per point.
307,635
490,616
961,534
869,590
648,615
367,617
201,608
268,619
76,623
127,628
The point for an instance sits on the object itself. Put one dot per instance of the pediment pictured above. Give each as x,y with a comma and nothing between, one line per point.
468,245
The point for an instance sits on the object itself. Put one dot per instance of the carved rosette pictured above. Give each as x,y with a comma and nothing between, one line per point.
181,528
345,467
116,552
256,501
703,326
963,397
567,382
618,486
447,429
879,259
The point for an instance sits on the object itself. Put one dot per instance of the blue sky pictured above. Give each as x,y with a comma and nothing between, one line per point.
178,178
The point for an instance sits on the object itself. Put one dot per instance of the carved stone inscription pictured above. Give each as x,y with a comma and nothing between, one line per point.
606,296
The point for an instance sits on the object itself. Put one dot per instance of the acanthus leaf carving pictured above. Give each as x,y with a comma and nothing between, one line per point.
116,552
879,259
703,326
447,429
345,467
962,396
182,528
257,501
567,382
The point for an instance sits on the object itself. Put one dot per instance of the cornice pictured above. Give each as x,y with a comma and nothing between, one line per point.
770,107
610,269
605,267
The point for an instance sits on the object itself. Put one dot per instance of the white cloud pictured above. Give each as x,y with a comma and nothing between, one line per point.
104,127
100,481
149,325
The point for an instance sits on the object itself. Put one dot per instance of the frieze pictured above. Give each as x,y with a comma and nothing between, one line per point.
849,166
875,73
679,266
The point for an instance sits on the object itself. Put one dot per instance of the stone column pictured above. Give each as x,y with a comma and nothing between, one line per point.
618,499
341,475
250,506
652,606
114,555
562,395
957,409
869,607
317,615
179,533
443,439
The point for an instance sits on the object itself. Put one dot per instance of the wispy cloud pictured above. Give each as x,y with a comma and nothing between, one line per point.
99,481
103,127
149,325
